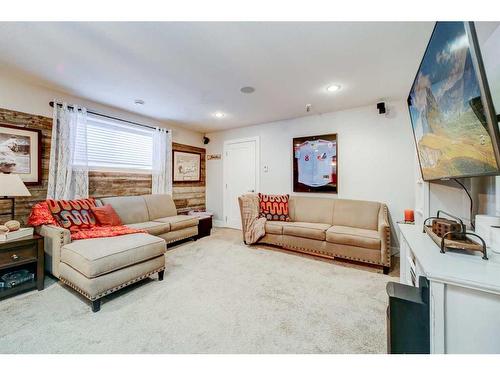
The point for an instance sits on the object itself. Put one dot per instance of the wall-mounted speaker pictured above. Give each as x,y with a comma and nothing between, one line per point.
381,108
206,140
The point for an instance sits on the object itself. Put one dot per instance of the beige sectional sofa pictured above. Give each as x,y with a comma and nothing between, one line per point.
333,228
99,266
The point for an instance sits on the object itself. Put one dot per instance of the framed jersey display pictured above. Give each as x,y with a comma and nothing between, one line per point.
315,164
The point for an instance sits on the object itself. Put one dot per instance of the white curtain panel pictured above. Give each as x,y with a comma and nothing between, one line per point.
68,166
162,161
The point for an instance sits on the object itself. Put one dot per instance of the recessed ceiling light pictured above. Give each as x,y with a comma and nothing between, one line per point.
333,88
247,90
139,101
219,114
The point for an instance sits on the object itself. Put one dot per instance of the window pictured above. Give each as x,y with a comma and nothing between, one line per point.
112,145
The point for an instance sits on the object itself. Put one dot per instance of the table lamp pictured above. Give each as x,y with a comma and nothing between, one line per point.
12,186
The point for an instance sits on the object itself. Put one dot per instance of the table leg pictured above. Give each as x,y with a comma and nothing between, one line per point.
40,268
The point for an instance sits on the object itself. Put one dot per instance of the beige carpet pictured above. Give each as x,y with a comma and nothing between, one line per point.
218,296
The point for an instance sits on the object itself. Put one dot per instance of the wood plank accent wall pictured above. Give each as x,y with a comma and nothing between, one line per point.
190,195
186,195
38,193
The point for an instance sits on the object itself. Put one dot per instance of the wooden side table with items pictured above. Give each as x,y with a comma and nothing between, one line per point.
21,265
204,224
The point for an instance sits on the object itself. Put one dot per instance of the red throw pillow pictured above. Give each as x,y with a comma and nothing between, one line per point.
274,207
73,214
106,216
41,215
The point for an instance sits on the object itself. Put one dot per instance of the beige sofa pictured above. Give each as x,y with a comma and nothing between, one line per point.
99,266
333,228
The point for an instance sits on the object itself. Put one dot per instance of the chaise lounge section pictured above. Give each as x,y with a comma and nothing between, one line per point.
99,266
332,228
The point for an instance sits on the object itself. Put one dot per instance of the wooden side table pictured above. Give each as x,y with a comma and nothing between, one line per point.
23,253
204,226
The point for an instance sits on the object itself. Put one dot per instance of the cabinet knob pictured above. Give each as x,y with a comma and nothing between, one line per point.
14,257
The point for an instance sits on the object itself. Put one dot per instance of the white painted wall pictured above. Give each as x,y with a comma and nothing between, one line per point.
376,155
450,197
17,93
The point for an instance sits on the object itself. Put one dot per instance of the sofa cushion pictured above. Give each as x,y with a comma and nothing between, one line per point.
179,221
274,227
315,231
98,256
311,209
369,239
160,205
131,209
152,227
356,214
177,235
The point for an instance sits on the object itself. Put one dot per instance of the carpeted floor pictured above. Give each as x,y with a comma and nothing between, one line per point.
218,296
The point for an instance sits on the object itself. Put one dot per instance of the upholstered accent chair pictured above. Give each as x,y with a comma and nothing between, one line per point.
332,228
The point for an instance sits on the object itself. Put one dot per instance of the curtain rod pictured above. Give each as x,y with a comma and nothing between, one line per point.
107,116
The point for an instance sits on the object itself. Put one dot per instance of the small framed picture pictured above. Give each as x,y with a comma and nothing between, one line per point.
20,153
186,166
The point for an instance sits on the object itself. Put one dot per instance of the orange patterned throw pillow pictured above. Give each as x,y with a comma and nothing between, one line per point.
73,214
274,207
41,215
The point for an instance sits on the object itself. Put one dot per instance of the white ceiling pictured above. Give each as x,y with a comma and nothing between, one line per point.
186,71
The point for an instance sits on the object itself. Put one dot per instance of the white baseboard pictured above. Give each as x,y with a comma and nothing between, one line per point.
395,251
219,223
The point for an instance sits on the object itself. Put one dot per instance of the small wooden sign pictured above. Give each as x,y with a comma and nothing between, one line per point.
214,157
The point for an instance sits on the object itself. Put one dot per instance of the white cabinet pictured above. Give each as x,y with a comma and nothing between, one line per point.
410,269
464,293
422,197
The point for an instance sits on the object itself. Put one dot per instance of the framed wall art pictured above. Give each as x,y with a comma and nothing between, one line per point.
20,153
315,164
186,166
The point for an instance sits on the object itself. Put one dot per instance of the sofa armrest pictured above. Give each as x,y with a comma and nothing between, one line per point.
253,227
243,221
54,239
384,230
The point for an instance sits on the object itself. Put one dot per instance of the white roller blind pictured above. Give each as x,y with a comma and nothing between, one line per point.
113,144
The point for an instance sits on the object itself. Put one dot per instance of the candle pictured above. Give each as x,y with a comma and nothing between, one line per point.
409,217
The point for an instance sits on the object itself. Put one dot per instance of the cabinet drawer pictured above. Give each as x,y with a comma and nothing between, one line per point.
16,255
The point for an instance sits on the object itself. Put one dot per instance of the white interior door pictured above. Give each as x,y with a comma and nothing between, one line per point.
240,176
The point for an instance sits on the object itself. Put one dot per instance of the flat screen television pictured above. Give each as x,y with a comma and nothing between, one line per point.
452,115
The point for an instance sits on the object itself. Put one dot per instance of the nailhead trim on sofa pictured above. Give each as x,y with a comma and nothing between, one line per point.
180,239
387,240
109,291
329,255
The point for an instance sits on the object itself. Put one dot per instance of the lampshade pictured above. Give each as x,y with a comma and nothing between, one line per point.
11,185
